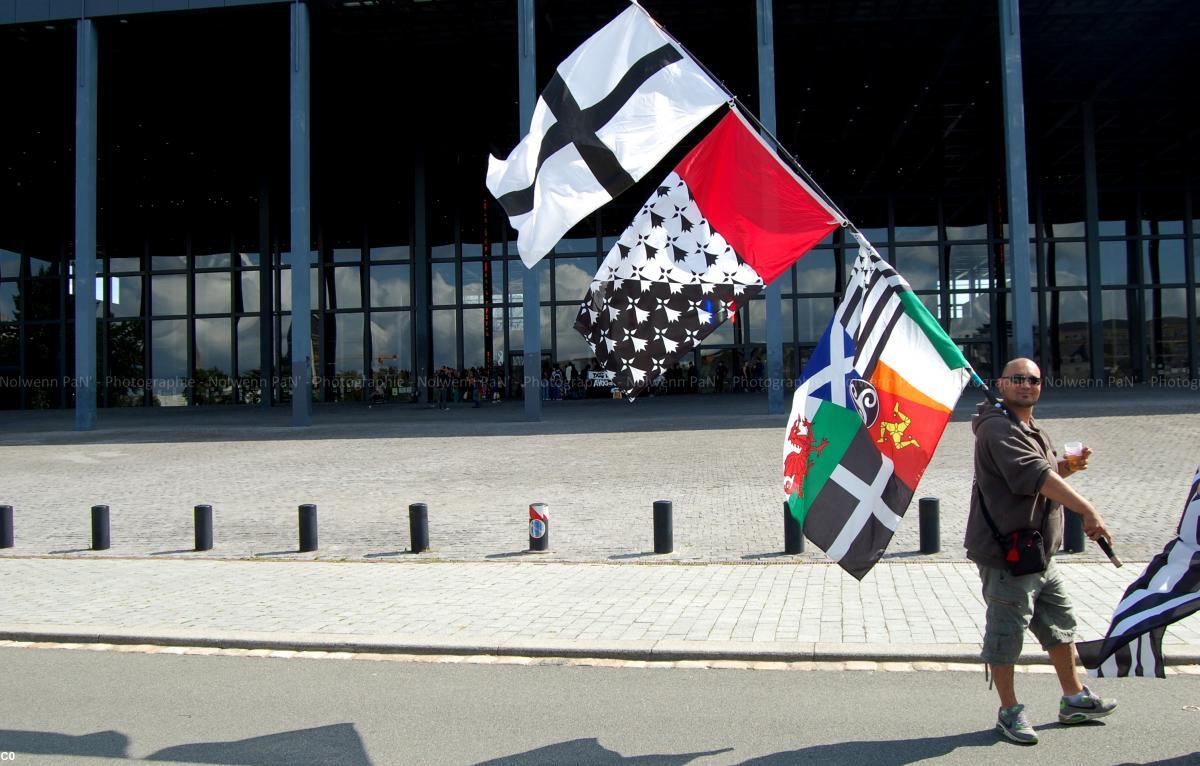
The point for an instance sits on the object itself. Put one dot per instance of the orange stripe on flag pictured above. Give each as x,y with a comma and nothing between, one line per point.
887,379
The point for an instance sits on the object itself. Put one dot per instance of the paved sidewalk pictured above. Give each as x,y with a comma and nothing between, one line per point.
727,593
901,611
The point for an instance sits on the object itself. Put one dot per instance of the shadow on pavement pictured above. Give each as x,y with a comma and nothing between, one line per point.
337,743
101,744
591,752
897,752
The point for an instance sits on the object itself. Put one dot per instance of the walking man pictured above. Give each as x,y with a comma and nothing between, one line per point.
1019,484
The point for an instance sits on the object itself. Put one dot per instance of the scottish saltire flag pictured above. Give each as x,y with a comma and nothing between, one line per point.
611,111
1167,591
726,221
869,411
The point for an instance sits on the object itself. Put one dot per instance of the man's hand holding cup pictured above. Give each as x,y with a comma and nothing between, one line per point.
1076,454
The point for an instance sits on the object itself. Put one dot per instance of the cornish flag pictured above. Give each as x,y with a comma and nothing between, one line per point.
872,405
612,110
729,219
1167,591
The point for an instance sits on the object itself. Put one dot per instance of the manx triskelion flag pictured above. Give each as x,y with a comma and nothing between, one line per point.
1167,591
726,221
612,110
873,402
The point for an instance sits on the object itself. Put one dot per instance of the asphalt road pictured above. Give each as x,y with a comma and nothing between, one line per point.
88,707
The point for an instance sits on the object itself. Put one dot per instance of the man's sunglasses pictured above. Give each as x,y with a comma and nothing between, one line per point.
1019,380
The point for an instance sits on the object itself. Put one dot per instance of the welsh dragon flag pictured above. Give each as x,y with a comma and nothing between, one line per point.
873,402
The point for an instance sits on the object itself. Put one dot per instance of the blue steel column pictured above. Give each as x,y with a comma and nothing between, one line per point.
86,89
301,298
1092,248
531,310
772,300
1018,181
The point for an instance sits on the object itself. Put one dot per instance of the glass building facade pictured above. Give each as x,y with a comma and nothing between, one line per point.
897,111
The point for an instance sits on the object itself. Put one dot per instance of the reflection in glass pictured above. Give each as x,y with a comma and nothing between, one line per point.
169,295
249,350
213,382
967,232
472,320
248,291
168,352
970,314
347,382
472,250
1066,264
442,281
516,283
212,292
346,255
125,296
9,353
472,283
570,345
1114,262
572,278
247,260
813,314
121,265
213,260
43,372
575,245
1163,261
391,342
1069,349
815,273
919,265
516,327
1166,332
10,264
124,367
1118,361
390,285
445,330
8,301
442,252
346,288
390,253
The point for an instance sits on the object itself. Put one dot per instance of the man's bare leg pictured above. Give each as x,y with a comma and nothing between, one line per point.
1002,675
1063,659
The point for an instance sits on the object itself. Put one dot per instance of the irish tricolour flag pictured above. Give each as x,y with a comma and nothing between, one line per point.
873,402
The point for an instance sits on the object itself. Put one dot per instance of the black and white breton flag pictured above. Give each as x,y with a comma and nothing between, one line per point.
1167,591
612,110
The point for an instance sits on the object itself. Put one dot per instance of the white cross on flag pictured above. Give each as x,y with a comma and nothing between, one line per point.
612,110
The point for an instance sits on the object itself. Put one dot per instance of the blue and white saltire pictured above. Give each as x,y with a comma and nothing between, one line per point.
1167,591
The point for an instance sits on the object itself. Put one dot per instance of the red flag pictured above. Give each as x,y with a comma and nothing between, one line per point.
767,213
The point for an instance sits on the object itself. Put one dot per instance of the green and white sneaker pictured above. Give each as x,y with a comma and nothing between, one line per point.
1085,706
1014,724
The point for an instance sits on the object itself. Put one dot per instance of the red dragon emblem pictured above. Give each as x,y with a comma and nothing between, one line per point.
803,453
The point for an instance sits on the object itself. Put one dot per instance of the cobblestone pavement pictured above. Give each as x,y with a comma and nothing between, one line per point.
671,611
599,465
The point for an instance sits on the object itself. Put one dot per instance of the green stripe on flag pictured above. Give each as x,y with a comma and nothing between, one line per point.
838,425
946,348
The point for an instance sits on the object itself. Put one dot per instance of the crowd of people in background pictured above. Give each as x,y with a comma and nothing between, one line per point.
565,381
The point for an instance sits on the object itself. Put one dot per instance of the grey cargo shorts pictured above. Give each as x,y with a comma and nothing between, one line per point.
1038,602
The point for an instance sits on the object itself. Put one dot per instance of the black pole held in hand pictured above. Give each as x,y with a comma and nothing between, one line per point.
1106,546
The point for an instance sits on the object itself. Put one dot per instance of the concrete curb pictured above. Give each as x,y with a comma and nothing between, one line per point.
652,651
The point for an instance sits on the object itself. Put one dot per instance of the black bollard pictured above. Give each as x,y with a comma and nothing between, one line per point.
664,535
418,527
6,526
1073,539
100,539
539,527
931,535
308,528
204,536
793,535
